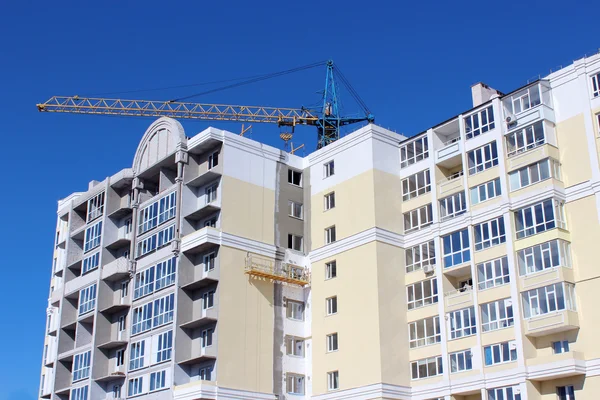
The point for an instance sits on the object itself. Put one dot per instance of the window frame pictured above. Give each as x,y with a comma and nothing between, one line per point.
332,342
330,235
482,158
421,182
536,172
490,190
81,366
331,305
452,206
524,139
164,351
497,315
293,307
137,353
297,387
566,392
415,217
213,160
92,237
437,363
534,212
95,207
489,233
416,253
90,262
503,348
532,260
79,393
507,393
480,122
293,207
158,377
454,360
548,296
87,299
135,386
452,257
293,344
418,154
424,300
560,346
292,174
595,85
429,338
493,273
329,201
333,380
457,320
330,270
294,240
328,169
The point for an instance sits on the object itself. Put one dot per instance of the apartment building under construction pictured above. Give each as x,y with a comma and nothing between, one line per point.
457,264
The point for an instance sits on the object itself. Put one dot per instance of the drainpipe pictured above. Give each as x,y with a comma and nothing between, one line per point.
181,158
135,205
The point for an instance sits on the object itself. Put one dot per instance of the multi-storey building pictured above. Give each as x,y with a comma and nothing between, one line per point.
457,264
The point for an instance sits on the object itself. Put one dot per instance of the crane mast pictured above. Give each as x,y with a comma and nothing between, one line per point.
327,120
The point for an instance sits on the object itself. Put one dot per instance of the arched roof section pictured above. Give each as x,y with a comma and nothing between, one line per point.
161,139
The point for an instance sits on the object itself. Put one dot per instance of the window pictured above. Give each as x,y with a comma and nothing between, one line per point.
90,262
547,299
489,233
461,361
330,270
456,248
414,151
539,217
333,380
424,332
211,193
95,207
209,262
537,172
142,318
528,138
205,373
426,368
329,201
156,213
80,393
422,293
500,353
295,242
120,357
525,99
328,169
295,177
116,391
163,310
332,342
485,191
418,218
565,392
208,299
497,315
165,346
207,336
213,160
596,85
482,158
504,393
330,235
556,253
295,310
135,386
493,273
462,323
211,222
144,283
416,185
136,355
420,256
562,346
121,323
294,384
165,273
93,236
453,206
331,303
295,209
294,346
81,366
87,299
480,122
158,380
155,241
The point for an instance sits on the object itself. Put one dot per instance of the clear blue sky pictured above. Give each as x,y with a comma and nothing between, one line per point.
412,62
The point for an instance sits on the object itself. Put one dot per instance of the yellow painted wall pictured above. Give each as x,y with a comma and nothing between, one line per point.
245,327
573,147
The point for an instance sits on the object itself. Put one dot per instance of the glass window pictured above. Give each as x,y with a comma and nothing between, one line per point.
461,361
456,248
426,368
330,235
295,310
493,273
418,218
144,283
165,346
565,392
165,273
80,393
90,262
294,383
295,209
295,242
93,237
209,261
453,206
328,169
562,346
525,139
333,380
420,256
462,323
295,177
163,310
539,217
424,332
95,207
210,193
332,305
500,353
489,233
136,355
556,253
486,191
158,380
416,185
414,151
534,173
205,373
497,315
142,318
482,158
81,366
504,393
548,299
207,337
524,99
156,213
332,342
294,346
155,241
213,160
479,123
422,293
329,201
135,386
87,299
330,270
596,85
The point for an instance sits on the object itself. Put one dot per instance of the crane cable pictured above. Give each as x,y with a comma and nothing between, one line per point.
352,91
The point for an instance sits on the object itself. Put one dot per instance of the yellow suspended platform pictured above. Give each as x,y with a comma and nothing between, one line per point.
277,271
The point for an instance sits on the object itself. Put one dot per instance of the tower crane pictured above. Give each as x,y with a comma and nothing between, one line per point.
327,119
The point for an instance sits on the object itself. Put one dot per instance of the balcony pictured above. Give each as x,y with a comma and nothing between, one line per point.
121,239
116,270
199,317
202,175
546,277
193,277
450,155
115,373
556,366
554,322
451,184
55,296
277,271
531,156
457,299
122,208
200,240
116,340
200,354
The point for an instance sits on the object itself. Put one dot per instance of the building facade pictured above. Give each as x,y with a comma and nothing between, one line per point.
457,264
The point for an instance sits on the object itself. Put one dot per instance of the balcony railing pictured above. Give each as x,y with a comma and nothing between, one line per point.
459,297
277,271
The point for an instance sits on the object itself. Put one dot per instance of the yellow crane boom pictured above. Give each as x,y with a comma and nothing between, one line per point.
175,109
